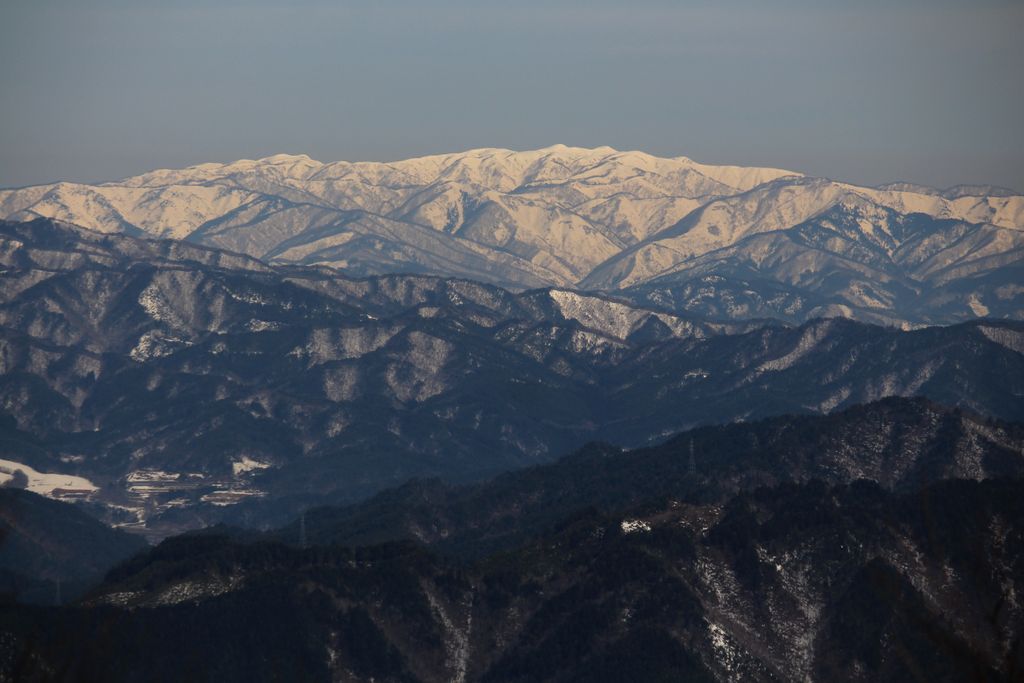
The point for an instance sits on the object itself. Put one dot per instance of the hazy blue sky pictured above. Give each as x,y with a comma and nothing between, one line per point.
930,91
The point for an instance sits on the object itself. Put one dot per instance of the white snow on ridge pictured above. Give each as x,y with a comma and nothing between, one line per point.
811,337
1011,339
563,216
1004,212
583,189
743,178
612,317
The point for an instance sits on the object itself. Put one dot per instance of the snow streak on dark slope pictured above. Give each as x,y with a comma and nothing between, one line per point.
183,380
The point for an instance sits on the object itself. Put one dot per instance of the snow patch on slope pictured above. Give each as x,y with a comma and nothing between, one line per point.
49,484
1010,338
810,339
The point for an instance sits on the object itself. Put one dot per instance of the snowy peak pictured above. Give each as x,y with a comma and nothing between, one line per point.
499,169
555,212
568,217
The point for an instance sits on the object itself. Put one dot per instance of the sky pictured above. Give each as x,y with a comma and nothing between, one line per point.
925,91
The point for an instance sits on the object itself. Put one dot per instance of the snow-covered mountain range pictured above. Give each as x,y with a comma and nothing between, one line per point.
718,240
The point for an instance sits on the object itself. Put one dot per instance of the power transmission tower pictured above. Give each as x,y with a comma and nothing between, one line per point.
693,461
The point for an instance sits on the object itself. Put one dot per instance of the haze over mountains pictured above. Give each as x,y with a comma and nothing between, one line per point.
727,242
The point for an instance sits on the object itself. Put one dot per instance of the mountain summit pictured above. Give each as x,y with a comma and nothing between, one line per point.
724,241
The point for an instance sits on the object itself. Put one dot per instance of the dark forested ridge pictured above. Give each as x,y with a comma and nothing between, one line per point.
52,551
794,582
885,542
899,444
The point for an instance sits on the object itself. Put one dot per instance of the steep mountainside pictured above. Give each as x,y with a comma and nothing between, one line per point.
882,543
719,240
855,259
183,380
51,550
800,582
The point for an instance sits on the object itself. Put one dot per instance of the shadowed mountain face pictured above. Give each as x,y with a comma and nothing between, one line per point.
724,241
882,543
798,582
183,380
52,551
899,444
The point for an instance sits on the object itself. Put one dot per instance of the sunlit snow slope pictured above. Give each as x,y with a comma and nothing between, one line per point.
720,240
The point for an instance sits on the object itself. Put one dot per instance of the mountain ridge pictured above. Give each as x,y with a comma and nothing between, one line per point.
569,217
896,443
183,381
884,585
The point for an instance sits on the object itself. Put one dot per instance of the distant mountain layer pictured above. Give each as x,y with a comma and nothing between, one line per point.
882,543
716,240
191,384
